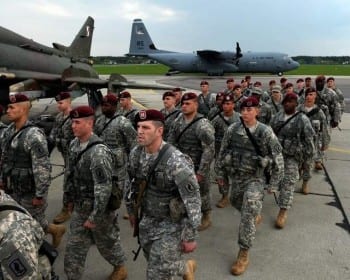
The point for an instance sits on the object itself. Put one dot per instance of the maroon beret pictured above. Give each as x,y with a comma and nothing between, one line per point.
168,93
110,98
219,95
149,115
272,82
248,77
250,102
257,83
125,94
230,80
290,96
177,89
62,95
228,97
18,97
188,96
283,80
330,79
309,90
320,78
308,79
237,86
204,83
300,80
288,85
81,112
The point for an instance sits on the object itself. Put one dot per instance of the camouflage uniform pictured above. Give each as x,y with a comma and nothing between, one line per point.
321,138
214,111
238,101
169,117
26,168
89,188
341,100
160,233
265,113
239,161
2,130
205,103
20,240
327,100
197,142
296,138
120,137
130,115
275,107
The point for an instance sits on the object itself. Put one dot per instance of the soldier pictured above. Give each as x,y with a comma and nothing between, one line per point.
60,136
126,107
170,201
264,96
275,101
169,111
327,100
283,83
248,148
295,133
2,125
265,111
308,82
238,97
178,94
20,239
331,85
321,139
300,87
89,193
206,100
272,83
26,166
245,89
119,135
193,135
220,123
230,83
214,111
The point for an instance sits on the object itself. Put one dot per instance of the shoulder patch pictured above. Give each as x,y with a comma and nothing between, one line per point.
100,175
39,150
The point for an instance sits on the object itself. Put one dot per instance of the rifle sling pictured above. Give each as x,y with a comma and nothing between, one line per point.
251,138
226,122
187,127
313,112
286,122
90,145
107,123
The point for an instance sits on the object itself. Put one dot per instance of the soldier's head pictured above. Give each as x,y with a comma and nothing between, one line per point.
204,86
257,93
150,126
125,100
178,94
310,96
228,104
276,93
169,99
300,83
330,83
18,108
64,101
283,81
237,90
219,98
289,88
272,83
82,122
249,110
109,105
320,82
230,82
189,103
290,103
308,82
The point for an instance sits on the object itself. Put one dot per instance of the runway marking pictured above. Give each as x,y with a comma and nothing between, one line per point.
344,151
138,104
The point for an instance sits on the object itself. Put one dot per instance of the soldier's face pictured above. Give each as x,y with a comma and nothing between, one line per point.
124,102
169,101
178,95
249,114
148,133
188,107
230,85
63,105
82,127
310,98
290,106
204,88
15,111
108,109
228,106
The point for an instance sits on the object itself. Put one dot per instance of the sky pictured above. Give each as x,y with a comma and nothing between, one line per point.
298,27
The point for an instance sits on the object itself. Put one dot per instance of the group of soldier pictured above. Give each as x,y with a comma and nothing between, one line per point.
160,163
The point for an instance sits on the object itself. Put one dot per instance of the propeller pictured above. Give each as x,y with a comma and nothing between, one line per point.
238,54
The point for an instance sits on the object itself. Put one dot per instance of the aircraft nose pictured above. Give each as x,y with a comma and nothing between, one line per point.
295,64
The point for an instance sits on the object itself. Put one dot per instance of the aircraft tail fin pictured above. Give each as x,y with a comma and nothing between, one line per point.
141,43
81,45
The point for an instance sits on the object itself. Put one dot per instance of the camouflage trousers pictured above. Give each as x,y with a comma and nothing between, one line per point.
306,168
37,212
204,187
288,183
247,196
105,236
161,244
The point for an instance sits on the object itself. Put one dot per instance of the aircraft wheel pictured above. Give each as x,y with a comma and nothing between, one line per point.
280,74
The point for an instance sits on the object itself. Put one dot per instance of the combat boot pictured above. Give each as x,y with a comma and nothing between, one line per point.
241,264
281,218
258,220
63,216
191,267
206,221
57,231
223,202
119,273
318,166
305,187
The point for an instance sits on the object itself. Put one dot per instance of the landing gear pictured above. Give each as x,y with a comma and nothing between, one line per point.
280,74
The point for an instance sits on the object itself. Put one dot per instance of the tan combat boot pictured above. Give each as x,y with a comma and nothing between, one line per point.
241,264
281,218
57,231
63,216
223,202
258,220
191,267
318,166
119,273
206,221
305,187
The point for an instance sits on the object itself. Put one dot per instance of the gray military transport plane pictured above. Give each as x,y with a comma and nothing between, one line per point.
41,72
208,61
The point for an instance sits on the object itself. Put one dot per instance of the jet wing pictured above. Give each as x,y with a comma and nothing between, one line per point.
25,74
210,55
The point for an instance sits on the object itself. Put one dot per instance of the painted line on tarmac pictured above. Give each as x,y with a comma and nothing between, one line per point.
139,104
344,151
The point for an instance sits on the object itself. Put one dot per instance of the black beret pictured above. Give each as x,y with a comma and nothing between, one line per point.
230,80
124,94
62,95
204,83
81,112
149,115
18,97
168,93
250,102
110,98
290,96
188,96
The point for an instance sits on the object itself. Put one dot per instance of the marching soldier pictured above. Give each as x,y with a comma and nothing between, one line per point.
206,100
169,111
126,107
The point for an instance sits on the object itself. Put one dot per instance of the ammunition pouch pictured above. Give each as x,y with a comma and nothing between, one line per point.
177,209
116,197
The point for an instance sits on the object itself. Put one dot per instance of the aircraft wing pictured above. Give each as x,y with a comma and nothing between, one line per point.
87,81
25,74
210,55
137,85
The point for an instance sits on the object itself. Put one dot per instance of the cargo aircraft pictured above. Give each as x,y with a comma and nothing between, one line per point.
211,62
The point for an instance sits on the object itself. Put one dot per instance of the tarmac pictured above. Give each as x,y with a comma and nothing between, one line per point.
314,244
